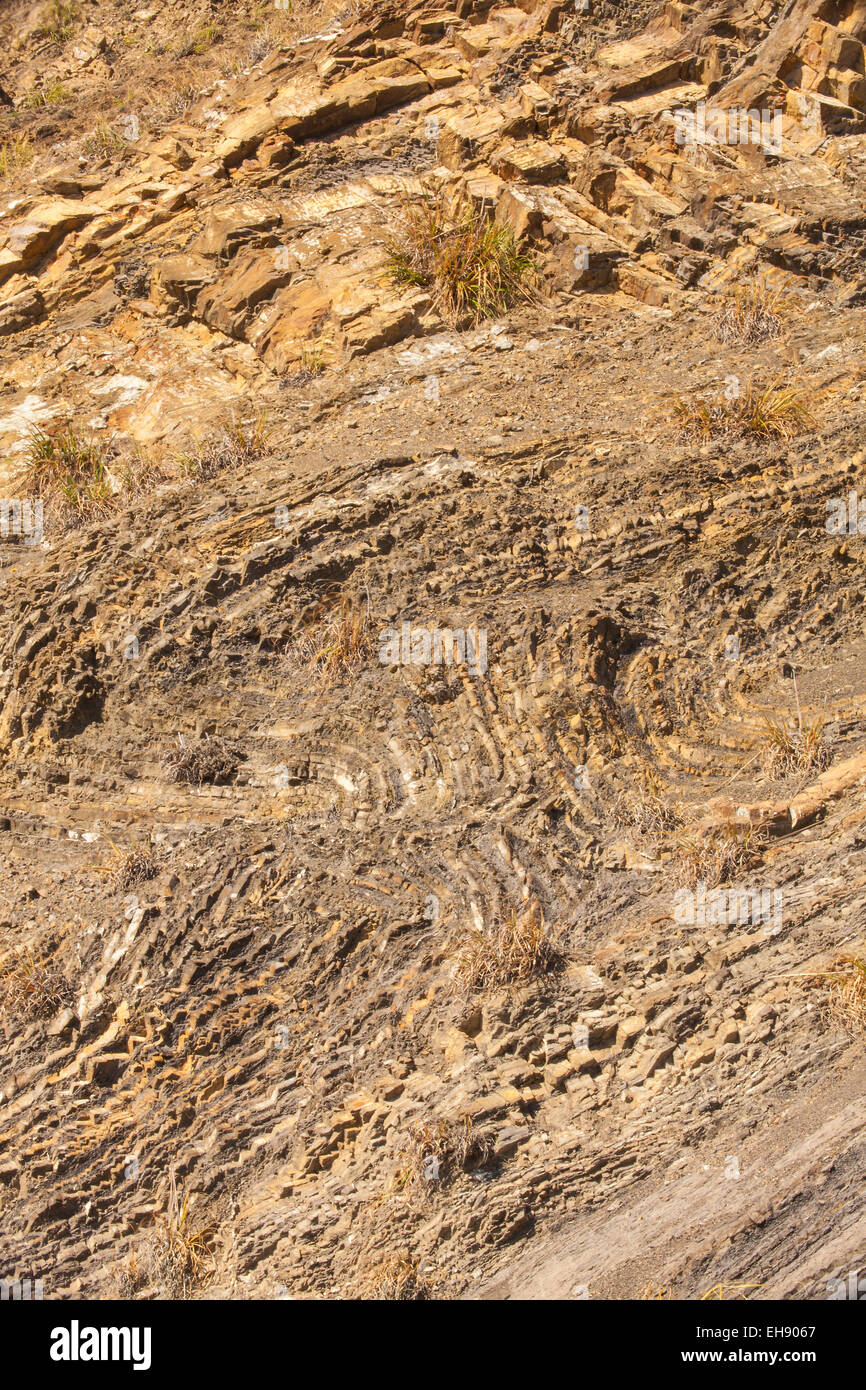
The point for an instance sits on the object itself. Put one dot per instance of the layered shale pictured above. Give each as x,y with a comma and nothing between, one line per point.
245,844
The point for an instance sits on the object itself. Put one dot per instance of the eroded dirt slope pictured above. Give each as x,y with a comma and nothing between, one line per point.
264,1023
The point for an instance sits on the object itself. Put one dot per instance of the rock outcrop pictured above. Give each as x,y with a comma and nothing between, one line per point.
250,982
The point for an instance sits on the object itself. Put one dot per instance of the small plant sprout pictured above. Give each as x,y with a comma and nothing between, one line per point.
59,22
49,94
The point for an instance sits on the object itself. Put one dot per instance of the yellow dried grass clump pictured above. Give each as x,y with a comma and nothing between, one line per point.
16,154
174,1261
717,856
233,445
207,759
31,987
516,949
337,642
844,983
771,412
437,1152
397,1280
752,314
789,749
473,267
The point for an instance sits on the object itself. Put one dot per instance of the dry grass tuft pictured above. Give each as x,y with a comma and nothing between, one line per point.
210,760
49,94
643,808
59,22
515,950
174,1261
234,445
473,268
338,642
16,154
134,866
140,472
71,473
752,315
718,856
845,986
170,103
105,141
438,1152
312,364
774,411
198,41
728,1293
31,988
789,748
398,1280
261,47
650,1293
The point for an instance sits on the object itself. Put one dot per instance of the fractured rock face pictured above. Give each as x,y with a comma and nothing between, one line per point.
598,131
459,642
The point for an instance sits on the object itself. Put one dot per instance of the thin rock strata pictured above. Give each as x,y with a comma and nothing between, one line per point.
432,780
